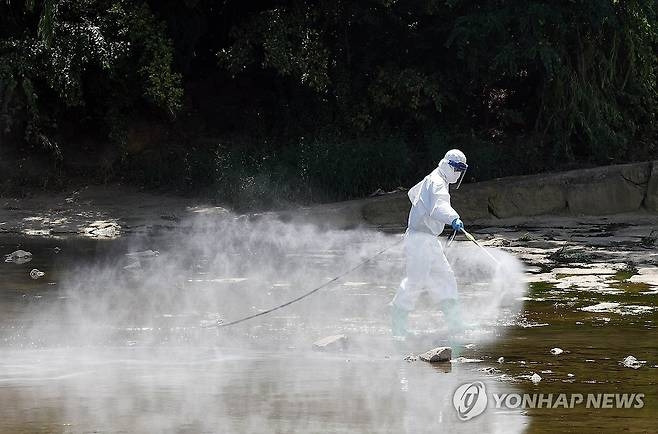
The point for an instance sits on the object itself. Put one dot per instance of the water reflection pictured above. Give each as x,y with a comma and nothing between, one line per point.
219,390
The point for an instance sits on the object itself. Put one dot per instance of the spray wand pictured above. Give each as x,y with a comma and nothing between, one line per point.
472,238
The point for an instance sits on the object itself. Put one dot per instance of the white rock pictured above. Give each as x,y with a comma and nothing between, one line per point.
592,282
646,275
535,378
466,360
334,342
501,359
439,354
618,308
555,351
209,210
410,358
601,307
19,257
102,229
36,274
632,362
570,375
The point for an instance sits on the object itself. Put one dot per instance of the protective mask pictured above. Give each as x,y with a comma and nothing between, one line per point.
453,171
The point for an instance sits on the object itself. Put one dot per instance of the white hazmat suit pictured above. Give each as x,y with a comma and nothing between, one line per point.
427,268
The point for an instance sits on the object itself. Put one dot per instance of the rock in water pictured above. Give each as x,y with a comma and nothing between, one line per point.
19,257
36,274
439,354
410,358
462,359
331,343
501,359
489,370
555,351
535,378
632,362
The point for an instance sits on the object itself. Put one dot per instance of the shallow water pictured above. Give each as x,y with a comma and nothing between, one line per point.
90,348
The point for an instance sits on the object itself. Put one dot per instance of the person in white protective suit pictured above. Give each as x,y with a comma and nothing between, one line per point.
427,267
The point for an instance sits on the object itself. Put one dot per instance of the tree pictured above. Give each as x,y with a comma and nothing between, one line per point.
96,60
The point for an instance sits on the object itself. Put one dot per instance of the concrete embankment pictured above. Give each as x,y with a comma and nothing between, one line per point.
628,188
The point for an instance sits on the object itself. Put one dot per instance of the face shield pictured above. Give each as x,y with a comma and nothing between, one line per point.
458,167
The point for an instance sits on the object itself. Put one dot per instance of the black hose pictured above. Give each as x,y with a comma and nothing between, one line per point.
311,292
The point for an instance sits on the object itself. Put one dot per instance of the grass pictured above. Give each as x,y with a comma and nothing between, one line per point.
621,280
567,255
525,237
632,287
625,273
649,241
542,286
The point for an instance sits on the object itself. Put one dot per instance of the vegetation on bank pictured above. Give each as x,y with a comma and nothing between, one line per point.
262,102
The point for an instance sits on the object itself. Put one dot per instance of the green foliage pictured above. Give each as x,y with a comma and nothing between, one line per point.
290,41
587,68
625,273
318,170
573,80
353,168
330,99
57,48
154,56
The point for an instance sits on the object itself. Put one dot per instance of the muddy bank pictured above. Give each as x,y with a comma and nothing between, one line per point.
109,211
630,192
548,244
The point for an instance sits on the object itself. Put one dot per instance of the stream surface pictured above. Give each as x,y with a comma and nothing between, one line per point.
100,344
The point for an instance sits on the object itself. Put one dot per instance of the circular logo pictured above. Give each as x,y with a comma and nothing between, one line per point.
470,400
